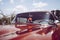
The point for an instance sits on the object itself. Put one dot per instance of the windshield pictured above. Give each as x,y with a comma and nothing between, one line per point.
37,18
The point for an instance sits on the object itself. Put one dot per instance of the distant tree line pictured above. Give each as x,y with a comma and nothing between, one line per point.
5,19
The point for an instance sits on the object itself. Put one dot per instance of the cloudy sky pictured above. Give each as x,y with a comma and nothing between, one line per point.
16,6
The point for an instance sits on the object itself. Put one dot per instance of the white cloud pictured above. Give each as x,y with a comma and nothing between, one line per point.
1,3
7,11
20,8
39,5
34,0
22,0
38,9
11,1
0,0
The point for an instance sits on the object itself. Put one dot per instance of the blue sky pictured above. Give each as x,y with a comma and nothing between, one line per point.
16,6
